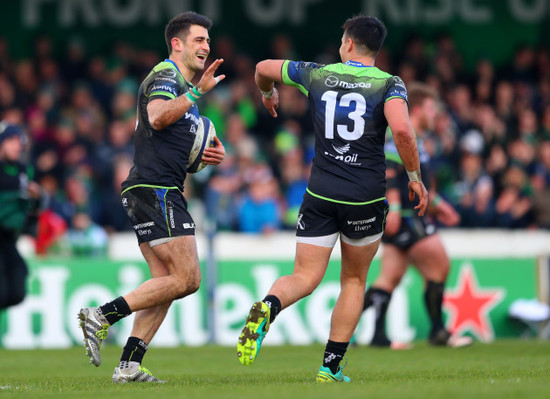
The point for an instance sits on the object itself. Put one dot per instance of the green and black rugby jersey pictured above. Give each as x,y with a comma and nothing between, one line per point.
347,105
161,156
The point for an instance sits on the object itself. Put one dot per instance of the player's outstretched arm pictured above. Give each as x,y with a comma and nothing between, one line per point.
163,113
267,73
397,115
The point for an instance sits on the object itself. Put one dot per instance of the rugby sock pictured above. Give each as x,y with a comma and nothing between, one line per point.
433,297
115,310
133,351
274,305
334,353
380,299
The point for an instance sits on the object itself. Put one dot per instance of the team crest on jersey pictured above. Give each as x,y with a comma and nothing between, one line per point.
341,150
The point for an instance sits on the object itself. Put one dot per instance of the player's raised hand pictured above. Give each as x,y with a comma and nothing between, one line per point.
272,103
214,155
417,188
208,80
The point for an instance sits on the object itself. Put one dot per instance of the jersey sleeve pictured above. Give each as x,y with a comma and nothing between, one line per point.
395,88
298,74
163,85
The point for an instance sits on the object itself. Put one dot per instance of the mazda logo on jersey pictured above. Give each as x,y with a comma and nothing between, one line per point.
332,81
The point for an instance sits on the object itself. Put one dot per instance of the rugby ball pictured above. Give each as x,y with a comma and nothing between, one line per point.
203,138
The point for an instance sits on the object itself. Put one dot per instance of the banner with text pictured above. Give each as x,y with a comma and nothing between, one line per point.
478,295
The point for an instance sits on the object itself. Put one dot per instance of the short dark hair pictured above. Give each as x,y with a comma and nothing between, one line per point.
180,24
366,31
417,92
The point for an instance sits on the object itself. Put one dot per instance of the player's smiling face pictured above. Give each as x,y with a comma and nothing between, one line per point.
196,48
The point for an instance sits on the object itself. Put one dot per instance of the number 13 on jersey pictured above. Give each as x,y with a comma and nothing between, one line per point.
346,101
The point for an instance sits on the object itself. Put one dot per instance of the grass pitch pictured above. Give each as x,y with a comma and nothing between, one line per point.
505,369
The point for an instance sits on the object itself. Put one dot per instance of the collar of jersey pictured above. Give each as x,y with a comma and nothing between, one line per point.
357,64
173,63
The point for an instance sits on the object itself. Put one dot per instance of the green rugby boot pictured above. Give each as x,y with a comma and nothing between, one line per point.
325,375
250,340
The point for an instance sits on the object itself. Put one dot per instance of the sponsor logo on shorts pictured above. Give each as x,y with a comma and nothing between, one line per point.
124,201
362,225
143,225
170,206
144,232
300,225
188,226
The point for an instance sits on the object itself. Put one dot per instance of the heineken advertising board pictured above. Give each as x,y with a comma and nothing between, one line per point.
491,28
478,295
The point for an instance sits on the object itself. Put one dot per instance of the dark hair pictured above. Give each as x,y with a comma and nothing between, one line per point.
180,24
366,31
417,92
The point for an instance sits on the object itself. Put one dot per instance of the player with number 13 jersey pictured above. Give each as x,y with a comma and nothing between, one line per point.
347,102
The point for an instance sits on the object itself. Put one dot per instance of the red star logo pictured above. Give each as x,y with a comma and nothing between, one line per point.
469,306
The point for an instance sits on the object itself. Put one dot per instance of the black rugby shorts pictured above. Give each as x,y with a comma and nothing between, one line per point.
319,217
412,230
157,212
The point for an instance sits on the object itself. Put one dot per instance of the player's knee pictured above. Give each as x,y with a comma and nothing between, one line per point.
194,283
187,286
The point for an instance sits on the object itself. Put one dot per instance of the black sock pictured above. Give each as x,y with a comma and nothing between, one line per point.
334,353
274,304
380,299
368,299
134,350
433,297
115,310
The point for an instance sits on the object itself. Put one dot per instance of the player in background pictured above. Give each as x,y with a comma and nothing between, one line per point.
352,103
409,239
20,202
152,195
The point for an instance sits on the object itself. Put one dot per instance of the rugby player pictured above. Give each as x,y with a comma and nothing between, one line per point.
152,195
411,239
352,103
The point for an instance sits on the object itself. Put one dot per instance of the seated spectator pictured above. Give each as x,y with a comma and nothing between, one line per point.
85,238
259,209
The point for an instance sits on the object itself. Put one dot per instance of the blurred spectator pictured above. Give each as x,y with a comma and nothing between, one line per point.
80,112
20,199
259,211
474,192
85,238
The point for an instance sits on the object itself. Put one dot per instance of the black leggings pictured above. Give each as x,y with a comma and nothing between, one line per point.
13,273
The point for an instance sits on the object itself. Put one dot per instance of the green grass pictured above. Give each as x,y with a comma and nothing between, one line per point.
505,369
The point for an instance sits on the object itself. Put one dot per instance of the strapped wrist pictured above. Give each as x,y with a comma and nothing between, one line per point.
197,92
414,175
191,97
395,207
268,94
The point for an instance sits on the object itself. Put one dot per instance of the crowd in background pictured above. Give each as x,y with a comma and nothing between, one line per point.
490,148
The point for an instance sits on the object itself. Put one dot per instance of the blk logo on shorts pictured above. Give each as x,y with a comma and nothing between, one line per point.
300,225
